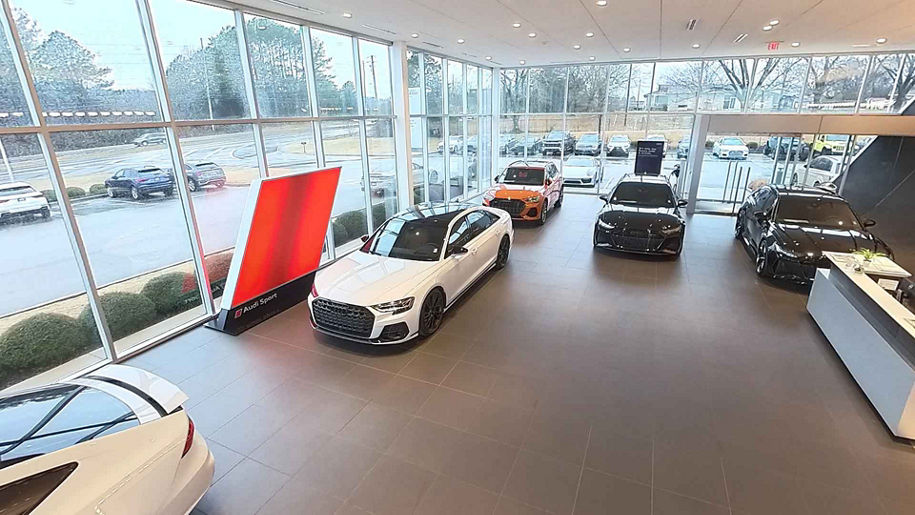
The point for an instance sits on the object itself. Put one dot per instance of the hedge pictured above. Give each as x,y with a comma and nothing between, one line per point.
75,192
98,189
349,226
126,313
41,342
172,293
50,195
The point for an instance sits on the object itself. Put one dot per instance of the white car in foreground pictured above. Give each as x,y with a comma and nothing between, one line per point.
730,148
114,441
19,198
398,285
581,171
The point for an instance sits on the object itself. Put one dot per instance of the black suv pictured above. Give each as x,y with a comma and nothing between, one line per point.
641,215
558,142
799,149
140,182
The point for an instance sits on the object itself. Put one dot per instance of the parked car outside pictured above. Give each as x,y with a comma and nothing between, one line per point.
204,174
659,137
21,199
683,148
619,146
505,141
829,144
581,171
531,144
558,142
799,149
730,147
140,182
821,172
149,138
455,144
589,144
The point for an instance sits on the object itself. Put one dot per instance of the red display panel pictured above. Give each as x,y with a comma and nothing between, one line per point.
286,232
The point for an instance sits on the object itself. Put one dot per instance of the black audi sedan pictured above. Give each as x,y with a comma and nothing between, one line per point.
641,215
788,229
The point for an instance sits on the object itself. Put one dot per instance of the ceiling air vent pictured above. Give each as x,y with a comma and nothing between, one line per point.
741,37
691,24
432,44
379,29
311,10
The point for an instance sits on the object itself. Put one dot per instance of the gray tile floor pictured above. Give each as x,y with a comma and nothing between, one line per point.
572,381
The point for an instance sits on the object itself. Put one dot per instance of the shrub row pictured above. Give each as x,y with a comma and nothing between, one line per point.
351,225
76,192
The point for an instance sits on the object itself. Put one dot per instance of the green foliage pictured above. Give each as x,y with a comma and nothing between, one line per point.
869,255
50,195
125,312
349,226
75,192
172,293
97,189
752,146
41,342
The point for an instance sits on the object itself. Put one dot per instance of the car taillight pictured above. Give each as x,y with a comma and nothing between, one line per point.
142,180
190,437
314,291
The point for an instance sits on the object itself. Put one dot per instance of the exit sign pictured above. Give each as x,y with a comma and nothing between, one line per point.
773,45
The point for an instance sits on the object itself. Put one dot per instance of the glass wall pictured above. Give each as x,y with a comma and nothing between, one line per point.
125,204
450,127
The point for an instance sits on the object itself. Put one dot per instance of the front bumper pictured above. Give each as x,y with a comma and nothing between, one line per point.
651,244
579,181
618,152
516,208
588,151
386,328
791,269
14,207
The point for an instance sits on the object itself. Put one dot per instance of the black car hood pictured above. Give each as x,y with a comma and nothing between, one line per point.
641,218
813,241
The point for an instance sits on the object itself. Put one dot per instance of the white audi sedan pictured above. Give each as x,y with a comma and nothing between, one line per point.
114,441
399,284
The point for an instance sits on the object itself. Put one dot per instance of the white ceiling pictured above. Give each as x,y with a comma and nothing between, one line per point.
651,28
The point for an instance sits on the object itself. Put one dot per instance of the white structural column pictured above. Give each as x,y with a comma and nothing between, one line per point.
495,99
694,162
402,143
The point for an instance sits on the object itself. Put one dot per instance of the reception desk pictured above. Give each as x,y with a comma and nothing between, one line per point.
872,333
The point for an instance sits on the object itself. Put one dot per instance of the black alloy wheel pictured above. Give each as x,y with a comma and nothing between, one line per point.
763,267
432,312
561,192
502,256
738,226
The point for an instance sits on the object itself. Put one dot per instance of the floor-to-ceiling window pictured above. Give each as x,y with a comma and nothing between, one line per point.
130,131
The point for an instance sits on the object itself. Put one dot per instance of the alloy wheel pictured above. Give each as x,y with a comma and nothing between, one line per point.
502,257
430,318
134,193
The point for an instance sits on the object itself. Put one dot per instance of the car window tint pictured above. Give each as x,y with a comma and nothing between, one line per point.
479,222
457,232
492,218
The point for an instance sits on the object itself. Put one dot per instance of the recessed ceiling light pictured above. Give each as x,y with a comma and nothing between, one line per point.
489,58
767,28
532,35
773,22
695,45
516,25
576,47
460,41
601,3
591,58
347,15
627,50
521,62
414,35
795,44
881,41
589,34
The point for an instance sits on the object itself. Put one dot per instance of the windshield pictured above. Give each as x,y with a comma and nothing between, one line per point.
555,135
835,137
419,240
643,195
150,171
524,176
621,139
16,189
588,138
656,137
580,161
732,141
816,211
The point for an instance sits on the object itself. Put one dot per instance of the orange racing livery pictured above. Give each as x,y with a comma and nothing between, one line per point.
527,190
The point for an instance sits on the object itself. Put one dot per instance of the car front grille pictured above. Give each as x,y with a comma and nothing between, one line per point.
637,240
343,318
513,207
735,154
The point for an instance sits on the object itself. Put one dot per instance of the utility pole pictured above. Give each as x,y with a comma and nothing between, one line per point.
206,77
6,161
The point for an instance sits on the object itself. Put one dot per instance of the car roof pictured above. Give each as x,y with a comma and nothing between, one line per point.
435,213
805,191
644,179
529,164
11,185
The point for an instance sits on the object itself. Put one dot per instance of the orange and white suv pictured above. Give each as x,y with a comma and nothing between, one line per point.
527,190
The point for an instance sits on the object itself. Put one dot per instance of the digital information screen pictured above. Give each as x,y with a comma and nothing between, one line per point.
648,157
279,245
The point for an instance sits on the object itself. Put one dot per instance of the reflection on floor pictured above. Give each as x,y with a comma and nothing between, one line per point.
572,381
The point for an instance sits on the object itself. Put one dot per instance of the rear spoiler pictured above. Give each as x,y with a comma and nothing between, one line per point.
148,395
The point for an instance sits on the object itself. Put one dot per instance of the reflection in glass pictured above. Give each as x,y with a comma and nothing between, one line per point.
724,84
587,85
414,82
514,90
485,152
42,297
382,169
472,147
87,69
135,231
201,59
376,77
418,141
456,144
279,67
548,88
335,74
834,82
777,84
342,147
675,87
455,87
435,169
880,94
289,147
434,92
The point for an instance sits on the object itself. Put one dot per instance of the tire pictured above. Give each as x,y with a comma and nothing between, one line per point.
431,313
135,193
192,185
561,192
220,185
794,179
763,266
738,226
144,143
504,250
111,192
169,192
45,213
543,210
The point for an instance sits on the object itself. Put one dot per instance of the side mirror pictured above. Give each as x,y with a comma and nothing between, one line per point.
456,251
682,203
364,238
869,222
605,198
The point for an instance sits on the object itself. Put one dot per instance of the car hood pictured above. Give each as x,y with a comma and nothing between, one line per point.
513,191
578,172
365,279
642,218
813,241
620,144
733,147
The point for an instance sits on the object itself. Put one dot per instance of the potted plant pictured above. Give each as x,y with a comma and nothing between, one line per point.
864,257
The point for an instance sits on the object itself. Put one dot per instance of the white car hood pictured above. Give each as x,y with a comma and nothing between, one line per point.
578,172
365,279
728,148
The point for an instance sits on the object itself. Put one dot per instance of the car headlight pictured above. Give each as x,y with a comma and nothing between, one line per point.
531,200
605,225
670,230
784,251
488,196
395,306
